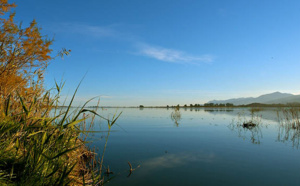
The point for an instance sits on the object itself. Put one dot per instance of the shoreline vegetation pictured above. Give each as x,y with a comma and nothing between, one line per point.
41,143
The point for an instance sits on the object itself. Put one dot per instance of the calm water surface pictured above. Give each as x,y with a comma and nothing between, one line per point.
203,147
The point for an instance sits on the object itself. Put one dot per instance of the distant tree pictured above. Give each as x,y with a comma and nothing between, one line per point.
141,106
209,104
191,105
185,105
229,104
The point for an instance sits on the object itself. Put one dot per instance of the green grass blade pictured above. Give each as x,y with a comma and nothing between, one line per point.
23,105
64,152
73,123
115,119
70,104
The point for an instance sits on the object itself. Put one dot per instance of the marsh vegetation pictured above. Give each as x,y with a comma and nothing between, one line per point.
289,126
41,142
246,125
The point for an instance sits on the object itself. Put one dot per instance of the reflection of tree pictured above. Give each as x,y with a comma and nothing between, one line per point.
289,126
218,109
176,116
248,128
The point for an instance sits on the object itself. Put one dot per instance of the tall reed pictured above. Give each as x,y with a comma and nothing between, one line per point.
289,126
248,128
41,144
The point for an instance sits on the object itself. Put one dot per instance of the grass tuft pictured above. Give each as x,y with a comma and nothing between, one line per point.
39,148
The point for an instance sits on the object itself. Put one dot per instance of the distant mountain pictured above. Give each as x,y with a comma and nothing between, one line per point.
290,99
272,98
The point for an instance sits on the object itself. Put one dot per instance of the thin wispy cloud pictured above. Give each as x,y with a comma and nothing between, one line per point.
100,31
171,55
117,31
89,30
144,49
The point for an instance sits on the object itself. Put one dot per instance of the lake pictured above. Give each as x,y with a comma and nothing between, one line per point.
205,146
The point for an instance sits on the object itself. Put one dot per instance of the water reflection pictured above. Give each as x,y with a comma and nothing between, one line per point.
176,116
199,153
218,109
289,126
177,160
248,127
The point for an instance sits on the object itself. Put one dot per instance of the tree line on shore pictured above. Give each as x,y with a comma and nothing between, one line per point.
224,105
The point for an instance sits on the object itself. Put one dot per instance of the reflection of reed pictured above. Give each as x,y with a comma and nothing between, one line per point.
248,128
176,116
289,126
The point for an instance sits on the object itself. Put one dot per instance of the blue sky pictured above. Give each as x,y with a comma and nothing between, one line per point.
160,52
